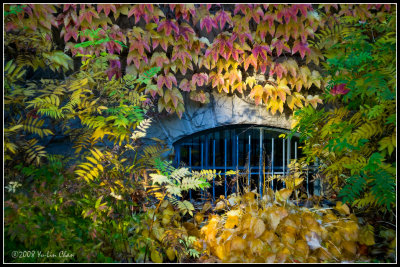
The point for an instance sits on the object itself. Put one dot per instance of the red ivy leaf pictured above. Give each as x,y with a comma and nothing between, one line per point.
339,89
209,23
159,59
184,10
139,10
243,8
242,37
216,79
262,65
279,46
70,32
261,49
270,18
114,69
278,69
222,17
199,79
139,45
302,48
180,53
167,80
303,9
168,26
250,60
186,86
184,31
67,6
287,13
88,14
236,52
107,8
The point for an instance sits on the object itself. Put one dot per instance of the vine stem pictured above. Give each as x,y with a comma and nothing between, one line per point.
152,222
387,223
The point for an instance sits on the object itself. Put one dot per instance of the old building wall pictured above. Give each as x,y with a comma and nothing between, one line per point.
221,110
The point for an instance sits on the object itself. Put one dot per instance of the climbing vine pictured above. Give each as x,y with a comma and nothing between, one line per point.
225,45
98,74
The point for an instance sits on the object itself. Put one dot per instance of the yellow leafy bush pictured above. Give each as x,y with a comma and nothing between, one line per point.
254,230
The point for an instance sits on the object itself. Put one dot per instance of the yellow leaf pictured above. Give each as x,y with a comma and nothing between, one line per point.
256,246
92,160
367,235
220,205
350,247
156,256
283,194
199,217
206,206
220,252
238,243
97,154
257,227
282,255
342,208
100,167
268,236
170,253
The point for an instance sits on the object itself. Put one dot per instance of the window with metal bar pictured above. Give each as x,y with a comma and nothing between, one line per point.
254,150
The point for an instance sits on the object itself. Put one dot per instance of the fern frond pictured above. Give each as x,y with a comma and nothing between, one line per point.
84,141
141,129
91,170
34,126
34,152
366,131
179,174
159,179
193,183
368,200
183,206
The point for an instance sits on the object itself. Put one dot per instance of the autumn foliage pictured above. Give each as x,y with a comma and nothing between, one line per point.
225,45
98,74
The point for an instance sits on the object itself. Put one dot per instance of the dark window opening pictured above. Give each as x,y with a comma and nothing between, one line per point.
255,150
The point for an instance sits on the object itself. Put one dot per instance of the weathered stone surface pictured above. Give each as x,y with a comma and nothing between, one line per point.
222,110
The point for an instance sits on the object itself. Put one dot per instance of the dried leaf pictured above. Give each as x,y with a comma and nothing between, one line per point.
342,208
257,227
283,194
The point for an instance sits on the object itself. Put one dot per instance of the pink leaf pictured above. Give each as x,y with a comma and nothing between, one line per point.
279,46
302,48
209,23
222,17
185,85
168,26
339,89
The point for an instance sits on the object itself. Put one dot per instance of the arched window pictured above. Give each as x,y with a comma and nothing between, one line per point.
255,150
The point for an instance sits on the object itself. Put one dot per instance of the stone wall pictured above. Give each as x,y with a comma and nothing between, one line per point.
221,110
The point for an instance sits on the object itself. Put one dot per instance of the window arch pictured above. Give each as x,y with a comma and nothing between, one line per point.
254,149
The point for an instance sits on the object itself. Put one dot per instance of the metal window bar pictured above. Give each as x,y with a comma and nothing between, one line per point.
260,162
283,160
214,169
202,163
272,163
248,179
252,170
190,167
288,155
225,167
237,161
